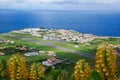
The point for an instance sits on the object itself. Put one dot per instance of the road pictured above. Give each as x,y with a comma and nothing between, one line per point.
61,48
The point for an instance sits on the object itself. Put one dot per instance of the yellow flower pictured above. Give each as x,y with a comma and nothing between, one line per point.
104,70
81,70
106,62
16,68
100,56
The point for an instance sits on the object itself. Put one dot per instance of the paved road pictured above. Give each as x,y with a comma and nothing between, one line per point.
62,48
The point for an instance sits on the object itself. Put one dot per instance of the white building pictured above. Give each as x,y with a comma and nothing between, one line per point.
31,53
52,61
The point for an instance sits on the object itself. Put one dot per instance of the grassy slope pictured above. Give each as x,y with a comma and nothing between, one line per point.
83,48
91,48
59,53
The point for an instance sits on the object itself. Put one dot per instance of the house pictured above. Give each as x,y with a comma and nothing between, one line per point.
22,48
1,53
76,46
52,61
46,38
8,41
31,53
42,52
51,53
34,33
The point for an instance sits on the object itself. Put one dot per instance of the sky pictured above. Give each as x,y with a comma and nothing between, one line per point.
102,5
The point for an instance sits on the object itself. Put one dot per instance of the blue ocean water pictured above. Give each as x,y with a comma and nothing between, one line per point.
93,23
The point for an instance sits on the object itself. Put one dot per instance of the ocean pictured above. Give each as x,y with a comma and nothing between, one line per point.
101,24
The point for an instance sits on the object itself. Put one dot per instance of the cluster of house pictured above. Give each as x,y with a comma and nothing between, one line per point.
59,35
49,62
69,36
7,41
21,48
2,41
17,47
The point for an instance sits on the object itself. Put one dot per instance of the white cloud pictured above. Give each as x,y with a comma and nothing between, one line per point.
61,4
57,1
108,1
41,1
99,1
8,1
29,1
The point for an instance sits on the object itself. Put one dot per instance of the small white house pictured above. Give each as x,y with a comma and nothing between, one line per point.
31,53
76,46
42,52
46,38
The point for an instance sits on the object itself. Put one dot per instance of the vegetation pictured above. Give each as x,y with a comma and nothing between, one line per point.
17,68
82,70
36,72
105,68
106,62
11,49
90,47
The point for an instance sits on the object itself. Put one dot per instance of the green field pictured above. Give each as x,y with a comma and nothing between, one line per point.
89,48
72,58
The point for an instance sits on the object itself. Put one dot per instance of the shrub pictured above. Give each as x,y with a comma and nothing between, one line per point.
106,62
36,72
17,67
81,70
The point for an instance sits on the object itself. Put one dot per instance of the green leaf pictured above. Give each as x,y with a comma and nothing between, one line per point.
56,74
71,77
48,70
95,76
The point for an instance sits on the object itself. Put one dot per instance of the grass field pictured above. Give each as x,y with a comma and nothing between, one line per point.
72,58
90,49
87,48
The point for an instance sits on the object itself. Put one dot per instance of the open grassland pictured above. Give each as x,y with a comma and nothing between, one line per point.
90,47
61,54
